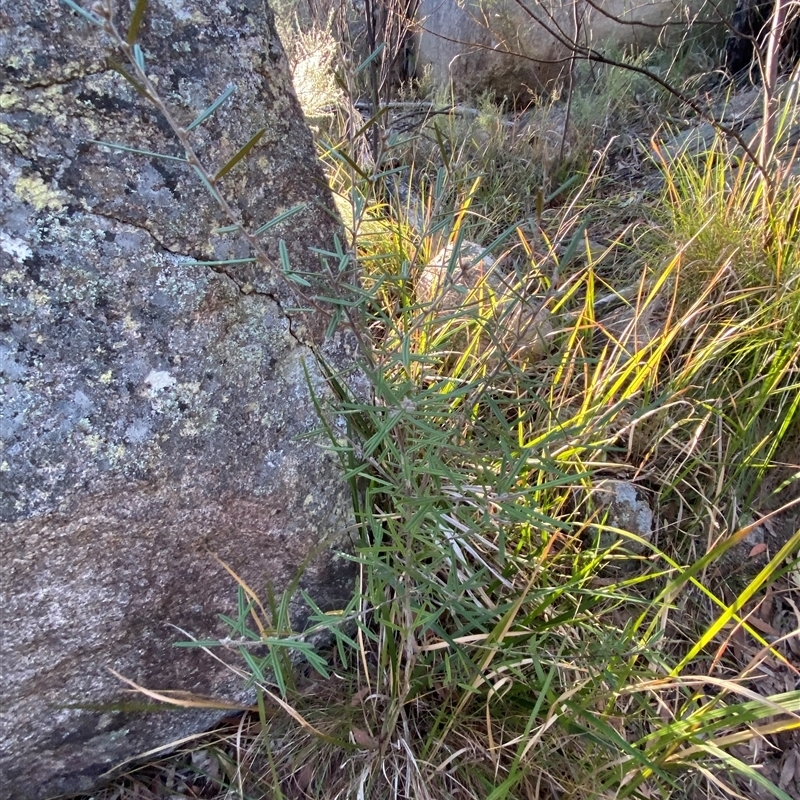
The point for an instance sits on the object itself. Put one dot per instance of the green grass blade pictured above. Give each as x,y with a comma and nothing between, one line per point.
206,113
234,160
136,21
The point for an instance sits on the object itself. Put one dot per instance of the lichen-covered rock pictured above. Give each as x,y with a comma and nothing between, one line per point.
150,408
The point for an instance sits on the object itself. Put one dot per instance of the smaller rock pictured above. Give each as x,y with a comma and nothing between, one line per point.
463,288
694,142
628,510
631,328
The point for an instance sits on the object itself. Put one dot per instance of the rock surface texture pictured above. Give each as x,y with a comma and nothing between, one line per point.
149,407
515,49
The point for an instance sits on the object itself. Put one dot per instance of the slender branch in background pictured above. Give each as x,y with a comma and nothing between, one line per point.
770,77
640,24
374,77
570,84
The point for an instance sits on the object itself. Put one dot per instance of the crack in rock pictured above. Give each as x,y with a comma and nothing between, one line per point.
245,289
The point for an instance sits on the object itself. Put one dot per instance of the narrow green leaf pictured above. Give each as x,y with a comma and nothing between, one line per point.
441,145
333,324
212,190
241,154
253,663
370,58
325,254
284,254
438,189
262,714
574,242
387,173
342,156
284,215
226,229
199,643
205,114
221,263
369,123
138,57
136,21
746,770
610,738
568,183
286,267
786,552
93,18
277,673
138,151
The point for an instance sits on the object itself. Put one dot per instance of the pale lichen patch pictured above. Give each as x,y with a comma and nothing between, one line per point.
157,381
32,189
129,324
9,136
9,98
16,248
12,276
93,442
40,299
189,388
